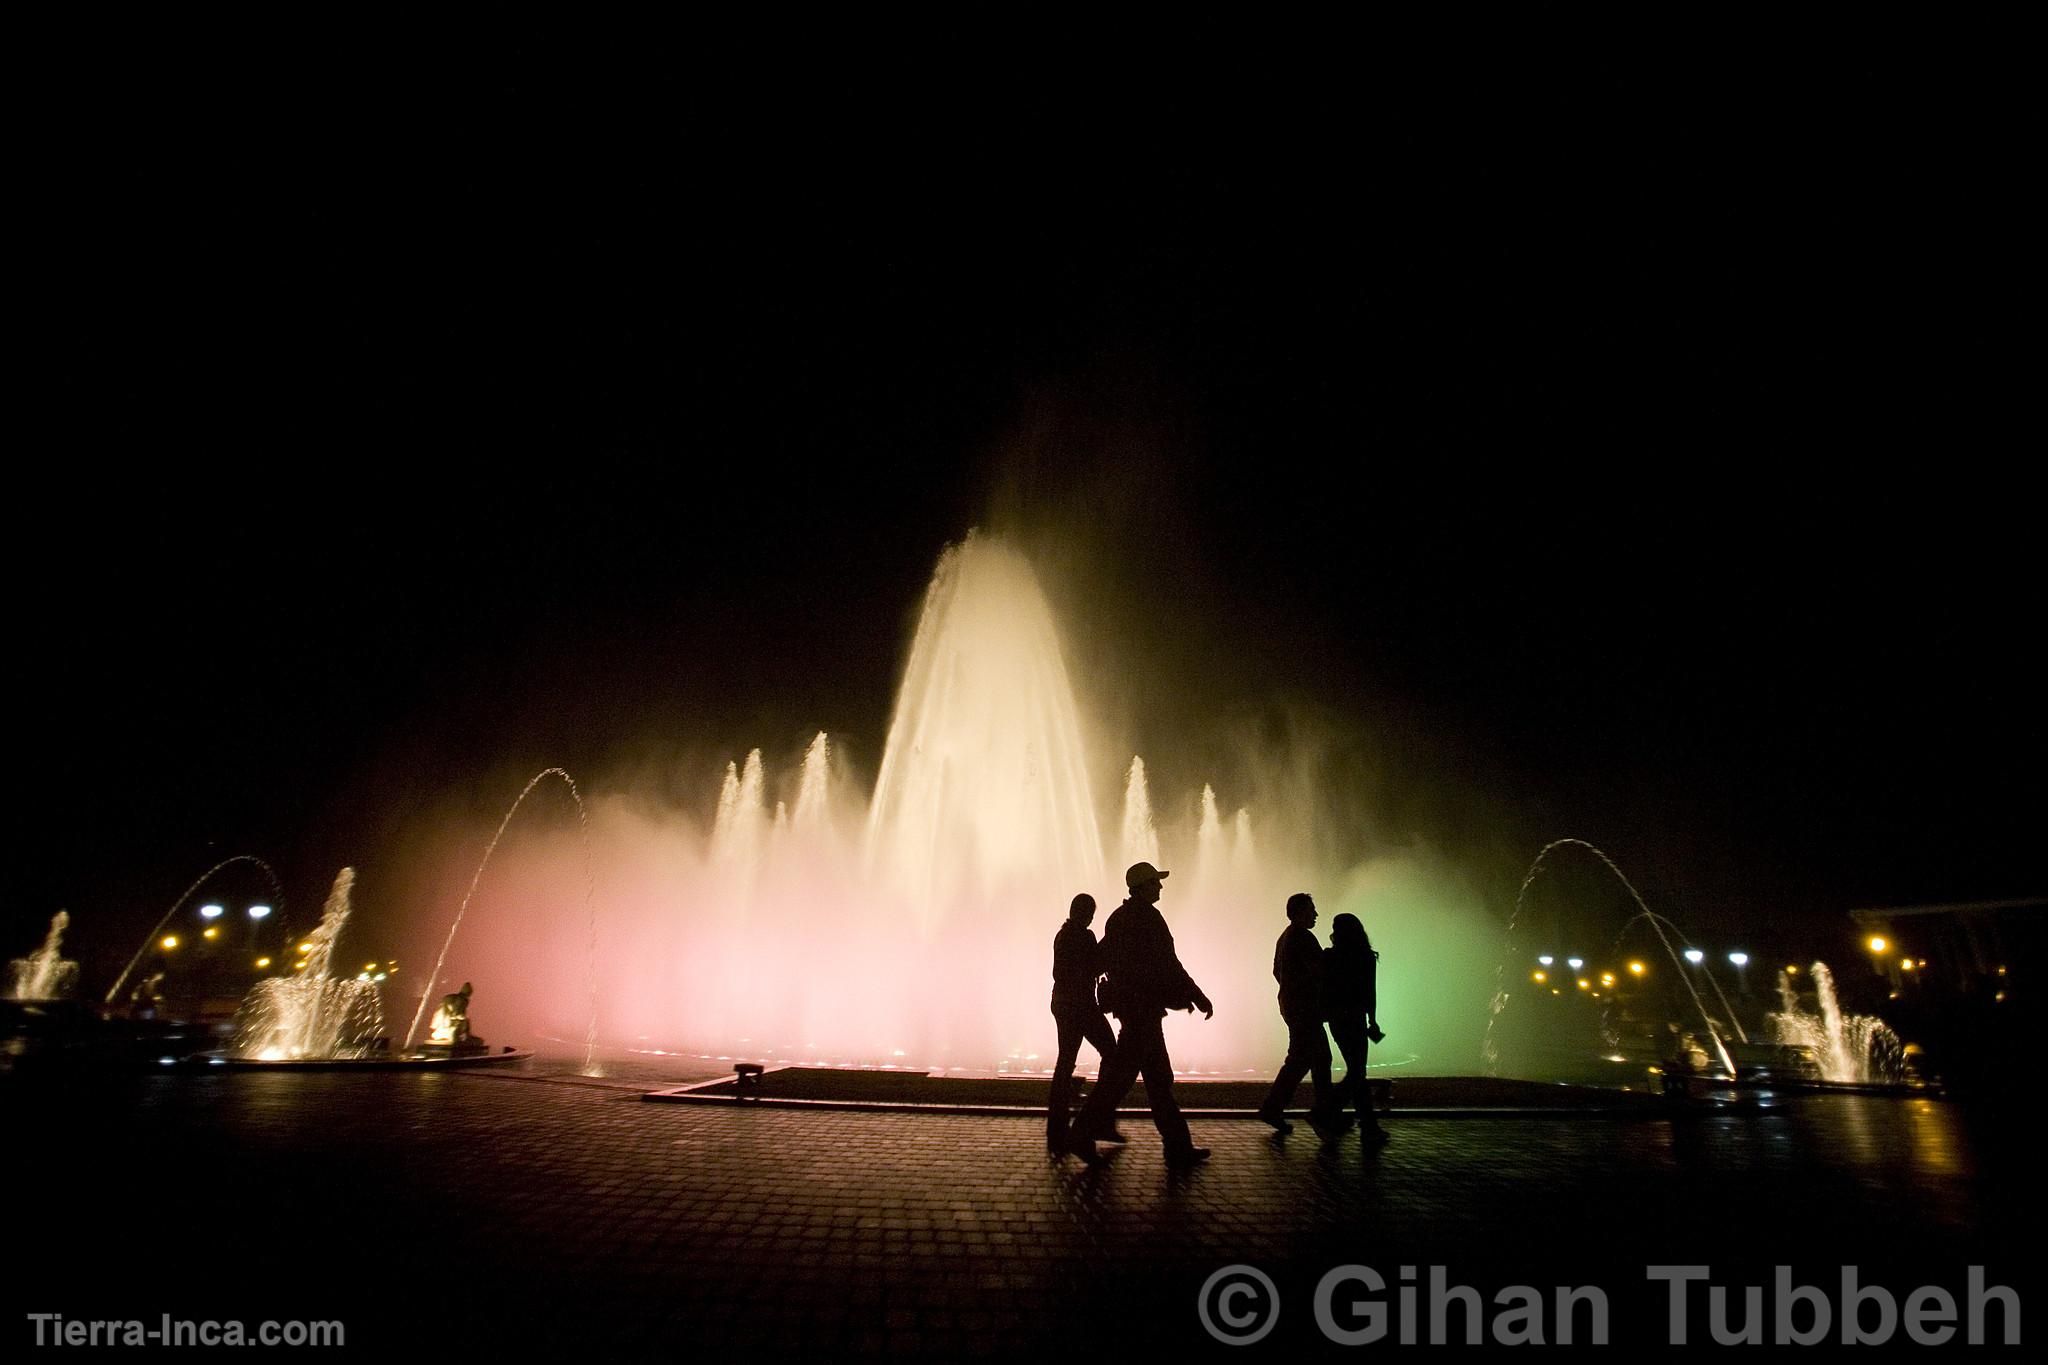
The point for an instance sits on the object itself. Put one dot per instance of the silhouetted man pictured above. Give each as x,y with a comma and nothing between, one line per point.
1298,966
1076,966
1145,980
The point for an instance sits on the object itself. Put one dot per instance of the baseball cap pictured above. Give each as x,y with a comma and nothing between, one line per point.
1140,873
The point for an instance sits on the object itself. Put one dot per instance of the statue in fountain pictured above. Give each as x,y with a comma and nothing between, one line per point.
449,1029
146,1001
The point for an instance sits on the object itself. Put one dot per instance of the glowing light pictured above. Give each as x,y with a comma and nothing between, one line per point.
1739,959
1695,956
305,947
1905,964
1539,976
1791,969
1635,969
1584,984
1878,943
211,931
261,963
259,912
299,966
170,942
212,911
1545,960
1607,978
1575,962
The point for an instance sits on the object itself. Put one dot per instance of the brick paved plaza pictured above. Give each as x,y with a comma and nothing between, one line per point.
541,1208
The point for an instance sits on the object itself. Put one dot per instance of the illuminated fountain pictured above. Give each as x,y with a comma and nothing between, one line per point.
310,1015
1851,1049
589,908
44,974
815,919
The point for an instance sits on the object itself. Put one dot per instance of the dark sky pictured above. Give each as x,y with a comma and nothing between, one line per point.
1645,469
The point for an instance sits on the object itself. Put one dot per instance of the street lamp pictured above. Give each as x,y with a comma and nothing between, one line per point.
259,912
1575,962
211,911
1695,956
1740,961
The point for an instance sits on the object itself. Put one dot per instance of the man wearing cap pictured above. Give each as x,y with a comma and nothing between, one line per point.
1145,980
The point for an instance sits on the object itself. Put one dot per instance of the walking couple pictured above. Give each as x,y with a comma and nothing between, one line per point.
1338,985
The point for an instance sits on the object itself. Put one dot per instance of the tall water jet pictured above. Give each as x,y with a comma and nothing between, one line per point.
1854,1049
984,779
277,892
1141,839
737,834
1244,853
1209,850
44,974
814,786
310,1014
589,902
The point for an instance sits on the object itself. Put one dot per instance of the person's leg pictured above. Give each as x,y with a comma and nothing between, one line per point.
1353,1038
1291,1071
1158,1069
1317,1045
1119,1073
1350,1036
1095,1027
1071,1031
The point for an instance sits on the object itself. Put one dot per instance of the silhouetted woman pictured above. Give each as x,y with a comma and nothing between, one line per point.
1350,999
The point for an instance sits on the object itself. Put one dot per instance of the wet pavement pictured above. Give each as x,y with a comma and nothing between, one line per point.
544,1209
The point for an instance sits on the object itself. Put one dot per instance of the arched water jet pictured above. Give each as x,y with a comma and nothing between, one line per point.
589,900
1489,1050
277,891
1662,922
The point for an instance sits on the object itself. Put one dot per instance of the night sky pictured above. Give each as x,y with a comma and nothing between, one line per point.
1655,477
